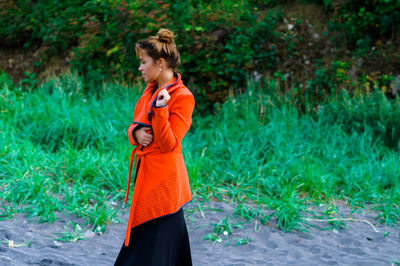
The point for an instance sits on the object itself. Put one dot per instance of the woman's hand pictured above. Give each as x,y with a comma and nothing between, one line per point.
162,98
143,137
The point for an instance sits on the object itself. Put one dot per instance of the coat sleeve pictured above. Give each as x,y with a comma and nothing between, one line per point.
171,124
131,130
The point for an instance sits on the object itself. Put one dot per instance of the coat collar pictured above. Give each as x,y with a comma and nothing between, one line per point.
171,86
149,98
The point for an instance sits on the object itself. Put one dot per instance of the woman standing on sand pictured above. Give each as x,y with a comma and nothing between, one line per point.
157,233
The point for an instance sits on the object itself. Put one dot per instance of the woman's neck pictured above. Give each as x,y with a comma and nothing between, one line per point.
165,76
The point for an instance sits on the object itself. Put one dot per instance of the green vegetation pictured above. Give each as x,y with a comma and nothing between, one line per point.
103,34
222,43
77,233
225,228
318,124
62,150
364,23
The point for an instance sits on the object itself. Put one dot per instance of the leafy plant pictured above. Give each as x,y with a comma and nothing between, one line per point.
76,233
364,23
224,227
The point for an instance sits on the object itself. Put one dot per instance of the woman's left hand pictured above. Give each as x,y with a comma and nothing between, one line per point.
162,98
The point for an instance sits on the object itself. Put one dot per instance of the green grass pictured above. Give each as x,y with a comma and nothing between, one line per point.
64,151
266,153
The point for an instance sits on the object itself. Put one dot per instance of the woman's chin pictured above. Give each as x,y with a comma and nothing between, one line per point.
147,80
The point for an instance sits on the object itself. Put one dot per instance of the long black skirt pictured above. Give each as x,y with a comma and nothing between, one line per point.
163,241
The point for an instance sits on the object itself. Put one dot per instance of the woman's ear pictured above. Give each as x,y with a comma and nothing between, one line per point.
162,63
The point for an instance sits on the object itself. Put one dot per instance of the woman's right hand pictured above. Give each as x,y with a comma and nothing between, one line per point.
143,137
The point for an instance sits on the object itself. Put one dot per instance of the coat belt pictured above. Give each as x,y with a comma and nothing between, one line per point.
130,221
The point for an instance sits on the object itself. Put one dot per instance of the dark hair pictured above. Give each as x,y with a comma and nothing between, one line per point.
160,46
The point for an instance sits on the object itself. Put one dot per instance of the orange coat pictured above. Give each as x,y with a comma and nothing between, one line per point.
161,184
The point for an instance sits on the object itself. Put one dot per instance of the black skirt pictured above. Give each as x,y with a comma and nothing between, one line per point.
163,241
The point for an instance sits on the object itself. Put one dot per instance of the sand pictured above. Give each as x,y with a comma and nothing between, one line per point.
358,244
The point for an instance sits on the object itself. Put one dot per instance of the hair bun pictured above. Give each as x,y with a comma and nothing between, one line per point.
165,35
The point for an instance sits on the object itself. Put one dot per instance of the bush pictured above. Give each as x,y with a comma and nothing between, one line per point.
221,51
363,23
218,48
326,81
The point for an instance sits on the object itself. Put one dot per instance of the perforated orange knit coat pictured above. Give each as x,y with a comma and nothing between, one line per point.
162,184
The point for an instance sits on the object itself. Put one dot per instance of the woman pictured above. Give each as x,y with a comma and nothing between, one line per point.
157,233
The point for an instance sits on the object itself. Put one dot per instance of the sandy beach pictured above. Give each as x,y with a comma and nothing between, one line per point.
29,243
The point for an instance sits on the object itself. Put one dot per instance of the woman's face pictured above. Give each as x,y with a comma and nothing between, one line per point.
148,67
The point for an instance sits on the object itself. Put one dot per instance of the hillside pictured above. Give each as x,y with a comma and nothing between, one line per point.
310,48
